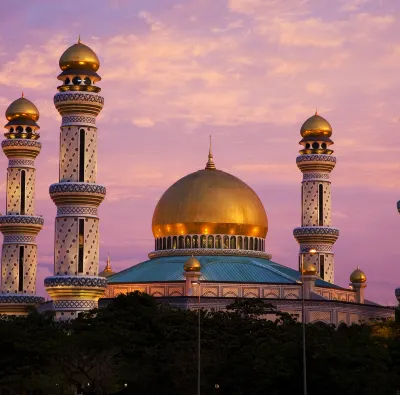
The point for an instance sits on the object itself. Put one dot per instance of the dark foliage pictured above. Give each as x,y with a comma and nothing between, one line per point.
137,346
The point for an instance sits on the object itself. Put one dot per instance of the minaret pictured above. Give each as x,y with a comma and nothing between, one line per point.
316,162
76,285
20,225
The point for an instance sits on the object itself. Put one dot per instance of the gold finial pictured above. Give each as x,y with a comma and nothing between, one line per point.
22,94
108,264
316,111
210,163
79,39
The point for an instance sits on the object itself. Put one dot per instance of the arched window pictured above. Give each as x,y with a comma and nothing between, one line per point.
21,269
23,188
233,243
240,242
195,243
181,242
188,242
262,245
226,242
164,243
255,244
155,244
174,243
82,155
203,241
218,241
169,243
251,243
210,242
81,245
246,243
322,266
321,205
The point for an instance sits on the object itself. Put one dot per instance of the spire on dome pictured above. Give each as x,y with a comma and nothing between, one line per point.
107,272
316,111
22,95
210,163
79,39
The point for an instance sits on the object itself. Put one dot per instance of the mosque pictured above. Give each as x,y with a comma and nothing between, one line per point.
209,227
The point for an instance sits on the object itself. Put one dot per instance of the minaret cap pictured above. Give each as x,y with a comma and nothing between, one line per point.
192,265
79,57
358,276
210,163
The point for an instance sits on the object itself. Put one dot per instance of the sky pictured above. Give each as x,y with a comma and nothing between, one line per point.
249,72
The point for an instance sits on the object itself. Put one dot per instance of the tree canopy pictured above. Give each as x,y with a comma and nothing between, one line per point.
136,345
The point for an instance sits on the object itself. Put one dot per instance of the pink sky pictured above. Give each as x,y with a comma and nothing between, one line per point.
249,72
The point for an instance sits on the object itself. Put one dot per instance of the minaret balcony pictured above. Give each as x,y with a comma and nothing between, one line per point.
78,102
77,193
21,224
316,234
317,162
21,148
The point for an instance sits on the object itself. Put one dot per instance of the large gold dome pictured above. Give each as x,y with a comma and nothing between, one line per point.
79,57
210,201
22,108
316,126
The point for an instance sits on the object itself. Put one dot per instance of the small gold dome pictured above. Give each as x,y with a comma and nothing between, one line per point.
192,265
22,108
309,269
79,57
316,126
210,201
358,276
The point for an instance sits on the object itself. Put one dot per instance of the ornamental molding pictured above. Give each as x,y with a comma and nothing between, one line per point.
304,249
209,251
76,210
77,187
21,163
21,219
75,304
316,158
78,120
73,96
17,239
315,230
20,299
75,281
21,143
312,176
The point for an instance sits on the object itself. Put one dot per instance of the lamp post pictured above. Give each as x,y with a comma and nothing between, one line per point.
303,319
198,337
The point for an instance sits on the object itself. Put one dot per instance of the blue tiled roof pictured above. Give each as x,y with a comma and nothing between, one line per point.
213,268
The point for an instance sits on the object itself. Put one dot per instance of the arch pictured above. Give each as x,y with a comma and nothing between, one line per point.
255,244
174,242
291,296
210,293
164,243
195,241
226,241
233,243
342,325
240,243
21,260
218,241
271,296
23,189
251,243
188,242
246,243
82,155
181,242
321,323
169,243
210,242
203,241
320,205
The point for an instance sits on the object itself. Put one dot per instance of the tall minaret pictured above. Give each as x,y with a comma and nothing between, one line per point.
76,285
316,162
20,225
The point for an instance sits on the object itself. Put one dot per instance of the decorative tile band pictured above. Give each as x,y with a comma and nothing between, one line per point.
76,210
80,187
75,281
75,304
209,251
16,239
315,230
313,176
75,119
21,219
21,143
304,249
69,96
21,163
316,158
20,299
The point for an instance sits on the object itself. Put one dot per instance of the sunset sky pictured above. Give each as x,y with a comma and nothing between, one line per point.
249,72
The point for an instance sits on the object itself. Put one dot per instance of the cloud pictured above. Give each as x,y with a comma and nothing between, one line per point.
143,122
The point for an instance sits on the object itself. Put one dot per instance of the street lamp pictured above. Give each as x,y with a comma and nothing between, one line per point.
303,318
198,336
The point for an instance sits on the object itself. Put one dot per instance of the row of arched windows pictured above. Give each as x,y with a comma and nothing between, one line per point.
210,241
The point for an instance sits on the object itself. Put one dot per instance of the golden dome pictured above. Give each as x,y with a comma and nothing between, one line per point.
209,201
316,126
79,57
22,108
192,265
309,269
358,276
